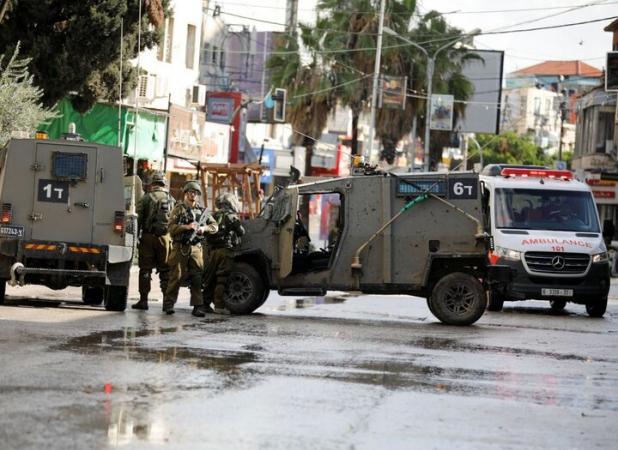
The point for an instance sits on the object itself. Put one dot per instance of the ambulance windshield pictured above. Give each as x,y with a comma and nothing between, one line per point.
534,209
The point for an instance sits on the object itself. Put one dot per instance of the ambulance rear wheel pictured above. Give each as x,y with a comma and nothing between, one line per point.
557,305
2,290
116,298
495,301
458,299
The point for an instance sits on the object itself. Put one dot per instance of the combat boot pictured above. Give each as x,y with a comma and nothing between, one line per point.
142,305
198,312
222,311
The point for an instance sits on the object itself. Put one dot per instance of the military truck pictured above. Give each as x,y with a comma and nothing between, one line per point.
414,234
63,220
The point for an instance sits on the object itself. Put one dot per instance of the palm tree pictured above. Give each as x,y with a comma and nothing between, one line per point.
310,93
353,26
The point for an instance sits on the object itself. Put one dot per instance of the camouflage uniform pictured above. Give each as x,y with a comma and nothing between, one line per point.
219,254
153,250
186,258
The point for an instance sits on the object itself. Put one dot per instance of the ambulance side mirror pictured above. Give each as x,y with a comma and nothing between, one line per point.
608,230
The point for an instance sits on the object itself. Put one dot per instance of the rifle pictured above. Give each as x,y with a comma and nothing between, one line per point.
194,238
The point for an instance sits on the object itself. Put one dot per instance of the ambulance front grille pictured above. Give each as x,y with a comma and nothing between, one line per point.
557,263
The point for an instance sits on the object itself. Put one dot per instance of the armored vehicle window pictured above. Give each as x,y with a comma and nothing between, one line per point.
70,165
316,238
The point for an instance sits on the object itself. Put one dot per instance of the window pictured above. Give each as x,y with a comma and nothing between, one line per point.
605,132
535,209
213,56
71,166
316,240
190,50
169,35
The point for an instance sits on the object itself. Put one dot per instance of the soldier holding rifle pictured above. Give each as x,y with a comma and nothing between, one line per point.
189,222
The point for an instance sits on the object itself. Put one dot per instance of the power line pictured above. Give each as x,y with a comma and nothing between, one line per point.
571,9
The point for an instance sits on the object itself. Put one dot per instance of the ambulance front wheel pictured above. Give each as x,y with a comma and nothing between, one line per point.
597,308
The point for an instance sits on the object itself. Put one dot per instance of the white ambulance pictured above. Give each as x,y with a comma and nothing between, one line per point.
545,227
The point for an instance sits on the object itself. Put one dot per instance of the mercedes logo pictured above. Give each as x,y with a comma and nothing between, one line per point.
557,262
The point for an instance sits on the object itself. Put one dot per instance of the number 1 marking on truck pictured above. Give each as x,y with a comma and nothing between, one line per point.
53,191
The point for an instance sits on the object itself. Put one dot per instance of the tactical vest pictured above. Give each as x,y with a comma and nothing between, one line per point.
226,236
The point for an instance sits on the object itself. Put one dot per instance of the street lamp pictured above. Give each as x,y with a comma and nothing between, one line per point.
431,61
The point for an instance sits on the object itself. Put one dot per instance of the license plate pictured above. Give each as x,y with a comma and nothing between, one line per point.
557,292
11,231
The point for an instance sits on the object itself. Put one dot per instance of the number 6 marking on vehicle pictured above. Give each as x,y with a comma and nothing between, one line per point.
463,188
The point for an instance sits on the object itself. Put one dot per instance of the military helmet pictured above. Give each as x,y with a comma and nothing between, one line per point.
227,201
158,178
192,185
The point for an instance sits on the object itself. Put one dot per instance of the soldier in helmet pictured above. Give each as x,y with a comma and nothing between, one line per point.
189,222
219,251
153,212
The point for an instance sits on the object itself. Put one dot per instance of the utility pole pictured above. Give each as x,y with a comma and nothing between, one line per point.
291,16
564,111
376,76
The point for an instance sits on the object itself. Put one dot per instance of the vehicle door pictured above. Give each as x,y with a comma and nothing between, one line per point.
64,183
286,233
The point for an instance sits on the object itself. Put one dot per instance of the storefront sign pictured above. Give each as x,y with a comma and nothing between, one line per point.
604,194
220,109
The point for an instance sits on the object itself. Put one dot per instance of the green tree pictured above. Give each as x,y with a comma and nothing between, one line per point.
20,107
508,148
74,45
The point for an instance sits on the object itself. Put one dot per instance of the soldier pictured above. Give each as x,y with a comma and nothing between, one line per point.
187,225
153,212
219,251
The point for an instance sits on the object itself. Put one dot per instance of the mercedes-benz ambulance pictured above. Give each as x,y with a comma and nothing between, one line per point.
545,227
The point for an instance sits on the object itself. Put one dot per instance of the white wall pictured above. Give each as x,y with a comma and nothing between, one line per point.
174,77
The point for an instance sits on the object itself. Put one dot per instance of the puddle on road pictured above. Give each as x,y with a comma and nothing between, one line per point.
125,342
308,302
433,343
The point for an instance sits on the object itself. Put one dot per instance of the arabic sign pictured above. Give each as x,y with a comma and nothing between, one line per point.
441,112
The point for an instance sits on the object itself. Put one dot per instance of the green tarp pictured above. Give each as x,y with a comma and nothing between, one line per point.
100,125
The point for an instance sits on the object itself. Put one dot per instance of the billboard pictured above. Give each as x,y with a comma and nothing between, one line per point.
482,110
393,92
441,117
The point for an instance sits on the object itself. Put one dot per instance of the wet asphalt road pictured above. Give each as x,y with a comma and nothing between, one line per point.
340,372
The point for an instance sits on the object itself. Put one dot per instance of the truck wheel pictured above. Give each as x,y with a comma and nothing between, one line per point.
458,299
557,305
2,290
597,307
92,295
116,298
430,306
244,292
495,301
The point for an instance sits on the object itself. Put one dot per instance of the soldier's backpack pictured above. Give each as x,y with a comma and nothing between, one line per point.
160,215
226,235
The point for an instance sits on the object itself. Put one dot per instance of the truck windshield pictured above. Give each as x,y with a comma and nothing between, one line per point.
534,209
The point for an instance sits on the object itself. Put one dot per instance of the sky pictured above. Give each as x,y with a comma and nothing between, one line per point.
587,42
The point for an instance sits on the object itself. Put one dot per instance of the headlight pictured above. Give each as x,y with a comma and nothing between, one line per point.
507,253
600,257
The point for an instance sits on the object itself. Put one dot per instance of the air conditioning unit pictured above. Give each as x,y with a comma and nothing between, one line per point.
198,95
146,87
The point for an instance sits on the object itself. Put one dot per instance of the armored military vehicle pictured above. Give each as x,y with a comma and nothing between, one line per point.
62,221
416,234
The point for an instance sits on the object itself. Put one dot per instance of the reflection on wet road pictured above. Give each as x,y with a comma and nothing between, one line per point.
321,372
